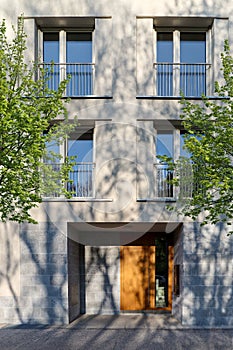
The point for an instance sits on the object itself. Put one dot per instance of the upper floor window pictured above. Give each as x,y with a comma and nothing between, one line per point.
79,146
181,65
164,142
171,143
69,54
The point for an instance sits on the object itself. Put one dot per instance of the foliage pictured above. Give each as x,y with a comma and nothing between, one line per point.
209,141
27,110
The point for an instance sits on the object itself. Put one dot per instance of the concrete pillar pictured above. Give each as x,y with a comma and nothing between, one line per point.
145,56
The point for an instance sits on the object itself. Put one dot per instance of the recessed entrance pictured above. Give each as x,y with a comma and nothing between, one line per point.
146,276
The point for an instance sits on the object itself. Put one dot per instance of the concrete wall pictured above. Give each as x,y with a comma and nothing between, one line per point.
34,286
207,276
102,271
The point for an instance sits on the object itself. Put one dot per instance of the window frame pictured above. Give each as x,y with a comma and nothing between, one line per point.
62,43
83,132
176,130
176,31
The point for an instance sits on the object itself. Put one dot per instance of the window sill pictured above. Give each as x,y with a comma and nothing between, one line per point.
89,97
151,200
152,97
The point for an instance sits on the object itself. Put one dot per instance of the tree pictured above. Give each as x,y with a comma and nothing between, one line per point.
209,140
28,108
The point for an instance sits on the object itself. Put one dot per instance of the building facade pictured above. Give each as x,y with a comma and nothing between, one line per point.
114,247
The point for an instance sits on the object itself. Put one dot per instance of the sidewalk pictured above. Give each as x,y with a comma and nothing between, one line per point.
118,332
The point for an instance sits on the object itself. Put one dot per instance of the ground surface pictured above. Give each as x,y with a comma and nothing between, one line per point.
115,332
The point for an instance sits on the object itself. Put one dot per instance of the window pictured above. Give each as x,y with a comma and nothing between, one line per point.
170,143
189,173
79,146
164,147
69,54
181,63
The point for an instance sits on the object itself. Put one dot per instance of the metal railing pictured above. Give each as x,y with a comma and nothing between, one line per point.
164,189
81,178
81,76
80,182
188,181
172,79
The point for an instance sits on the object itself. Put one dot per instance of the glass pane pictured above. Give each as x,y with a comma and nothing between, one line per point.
79,67
161,273
164,66
51,47
164,143
193,69
82,173
81,149
78,47
51,54
53,152
183,151
164,47
193,47
164,147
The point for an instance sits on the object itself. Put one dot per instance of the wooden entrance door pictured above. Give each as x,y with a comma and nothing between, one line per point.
139,282
137,277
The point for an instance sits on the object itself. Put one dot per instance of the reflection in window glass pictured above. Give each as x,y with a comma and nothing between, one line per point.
51,54
193,47
51,47
81,177
164,66
52,149
183,151
78,47
164,143
161,273
82,150
193,71
165,47
79,67
164,147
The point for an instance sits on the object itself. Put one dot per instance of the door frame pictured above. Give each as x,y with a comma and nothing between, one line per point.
170,267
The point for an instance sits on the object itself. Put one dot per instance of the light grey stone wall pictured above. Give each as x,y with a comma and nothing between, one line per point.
44,292
43,274
207,276
9,271
102,270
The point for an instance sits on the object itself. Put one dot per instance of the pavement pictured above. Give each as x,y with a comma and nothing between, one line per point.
115,332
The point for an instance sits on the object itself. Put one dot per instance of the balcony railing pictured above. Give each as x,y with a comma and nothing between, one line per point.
81,178
80,182
188,181
190,79
164,189
81,76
